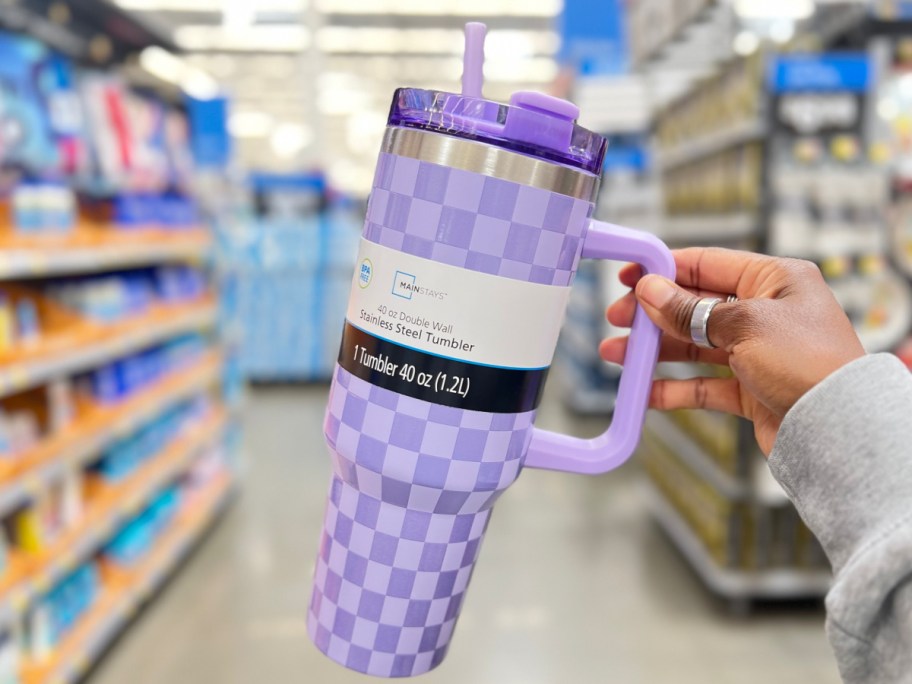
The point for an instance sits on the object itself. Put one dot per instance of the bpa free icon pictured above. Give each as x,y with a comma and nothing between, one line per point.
365,274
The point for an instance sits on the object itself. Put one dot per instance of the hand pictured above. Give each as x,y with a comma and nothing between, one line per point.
785,335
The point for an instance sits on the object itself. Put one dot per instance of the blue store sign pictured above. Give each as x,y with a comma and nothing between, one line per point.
594,36
842,72
209,138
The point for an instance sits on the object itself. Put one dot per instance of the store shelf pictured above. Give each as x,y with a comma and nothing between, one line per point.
719,141
774,584
99,427
102,343
710,227
56,258
126,592
105,513
695,457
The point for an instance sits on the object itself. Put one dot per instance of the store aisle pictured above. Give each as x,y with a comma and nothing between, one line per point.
575,584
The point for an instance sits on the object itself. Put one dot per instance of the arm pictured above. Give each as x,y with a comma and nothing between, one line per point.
841,423
844,455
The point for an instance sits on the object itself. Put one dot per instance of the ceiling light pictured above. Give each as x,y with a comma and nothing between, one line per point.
237,14
257,38
167,67
214,6
249,124
288,139
381,40
161,64
782,30
536,70
461,8
746,43
343,101
199,85
774,9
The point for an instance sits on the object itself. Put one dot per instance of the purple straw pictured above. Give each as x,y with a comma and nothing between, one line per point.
473,61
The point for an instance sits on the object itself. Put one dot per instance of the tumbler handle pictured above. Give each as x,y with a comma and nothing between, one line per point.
554,451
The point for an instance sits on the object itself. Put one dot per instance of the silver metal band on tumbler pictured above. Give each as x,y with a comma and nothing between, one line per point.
699,322
489,160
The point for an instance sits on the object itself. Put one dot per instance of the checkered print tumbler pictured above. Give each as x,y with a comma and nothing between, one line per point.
414,482
404,523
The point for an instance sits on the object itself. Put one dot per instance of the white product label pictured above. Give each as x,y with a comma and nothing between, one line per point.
456,313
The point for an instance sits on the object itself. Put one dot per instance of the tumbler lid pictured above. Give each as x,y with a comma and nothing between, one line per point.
533,123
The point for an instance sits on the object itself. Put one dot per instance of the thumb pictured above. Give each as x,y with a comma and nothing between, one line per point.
671,308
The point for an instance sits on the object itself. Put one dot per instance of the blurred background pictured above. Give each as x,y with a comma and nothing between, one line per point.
182,189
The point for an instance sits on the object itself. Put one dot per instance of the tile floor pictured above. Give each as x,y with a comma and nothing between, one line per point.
574,584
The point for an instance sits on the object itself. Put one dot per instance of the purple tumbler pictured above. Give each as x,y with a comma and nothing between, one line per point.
479,215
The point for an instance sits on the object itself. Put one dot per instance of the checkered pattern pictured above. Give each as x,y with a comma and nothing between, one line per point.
411,495
413,482
390,582
476,222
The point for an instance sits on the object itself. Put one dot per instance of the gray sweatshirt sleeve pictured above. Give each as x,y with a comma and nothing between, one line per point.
844,456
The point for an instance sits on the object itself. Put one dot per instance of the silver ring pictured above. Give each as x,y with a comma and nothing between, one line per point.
732,299
699,322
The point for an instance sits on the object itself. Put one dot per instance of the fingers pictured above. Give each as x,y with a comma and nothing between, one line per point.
671,308
620,314
715,394
707,268
630,275
615,349
719,270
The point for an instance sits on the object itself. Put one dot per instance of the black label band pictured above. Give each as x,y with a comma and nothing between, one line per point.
437,379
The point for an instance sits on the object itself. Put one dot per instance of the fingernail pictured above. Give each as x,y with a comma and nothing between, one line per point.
656,291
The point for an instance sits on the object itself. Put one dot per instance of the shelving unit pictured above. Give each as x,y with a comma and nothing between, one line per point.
732,136
99,344
90,255
104,515
710,228
739,587
739,166
126,592
100,427
118,395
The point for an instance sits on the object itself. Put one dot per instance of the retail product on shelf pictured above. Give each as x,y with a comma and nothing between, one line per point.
294,272
116,381
711,150
137,537
43,208
116,296
55,615
123,458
